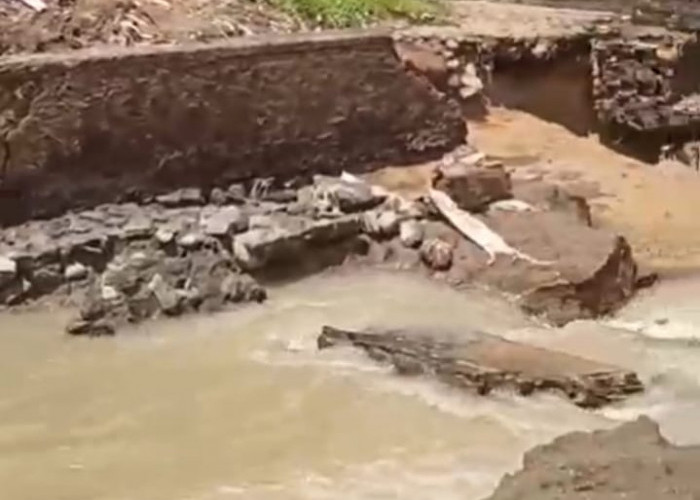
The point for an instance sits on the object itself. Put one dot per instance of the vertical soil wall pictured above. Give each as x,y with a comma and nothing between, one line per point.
89,127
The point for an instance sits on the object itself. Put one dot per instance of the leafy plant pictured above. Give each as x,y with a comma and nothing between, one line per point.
352,13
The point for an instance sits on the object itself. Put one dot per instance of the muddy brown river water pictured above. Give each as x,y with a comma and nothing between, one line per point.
240,405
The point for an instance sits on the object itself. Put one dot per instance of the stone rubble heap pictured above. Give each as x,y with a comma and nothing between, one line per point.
632,83
191,250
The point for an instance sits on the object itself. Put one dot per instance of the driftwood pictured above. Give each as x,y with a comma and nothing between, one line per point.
482,362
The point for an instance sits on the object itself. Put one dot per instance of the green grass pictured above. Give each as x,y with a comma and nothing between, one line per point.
353,13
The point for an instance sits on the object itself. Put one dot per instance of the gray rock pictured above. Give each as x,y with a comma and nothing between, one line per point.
168,299
218,197
190,240
381,224
236,193
139,226
473,187
411,233
8,270
141,306
75,272
97,328
181,198
333,194
164,235
46,279
252,248
260,221
109,293
14,292
242,287
281,196
225,221
436,254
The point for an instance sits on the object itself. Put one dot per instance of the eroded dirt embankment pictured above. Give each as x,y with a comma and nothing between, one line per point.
633,461
84,128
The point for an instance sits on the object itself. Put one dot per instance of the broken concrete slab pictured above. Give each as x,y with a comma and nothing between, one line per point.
481,362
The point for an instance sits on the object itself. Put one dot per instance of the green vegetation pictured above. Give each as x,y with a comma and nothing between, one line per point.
351,13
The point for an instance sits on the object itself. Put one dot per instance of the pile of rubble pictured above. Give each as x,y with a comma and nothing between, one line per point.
191,250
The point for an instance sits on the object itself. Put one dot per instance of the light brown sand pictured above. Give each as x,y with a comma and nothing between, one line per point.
656,207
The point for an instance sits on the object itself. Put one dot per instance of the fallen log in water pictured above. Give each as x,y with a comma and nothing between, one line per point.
483,362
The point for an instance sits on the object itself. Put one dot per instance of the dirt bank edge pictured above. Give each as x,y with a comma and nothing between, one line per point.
632,461
97,126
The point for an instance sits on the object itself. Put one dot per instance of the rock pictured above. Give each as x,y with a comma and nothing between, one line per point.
75,272
164,235
14,292
280,196
472,187
290,239
388,223
168,299
44,280
261,221
218,197
141,306
225,221
181,198
481,362
109,293
8,270
139,226
236,193
471,84
261,186
97,328
411,233
436,254
334,194
91,250
242,288
254,248
583,273
380,224
190,241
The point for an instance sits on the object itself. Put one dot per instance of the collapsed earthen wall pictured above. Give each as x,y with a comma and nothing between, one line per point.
645,91
84,128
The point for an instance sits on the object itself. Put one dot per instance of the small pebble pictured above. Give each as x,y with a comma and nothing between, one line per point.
75,272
